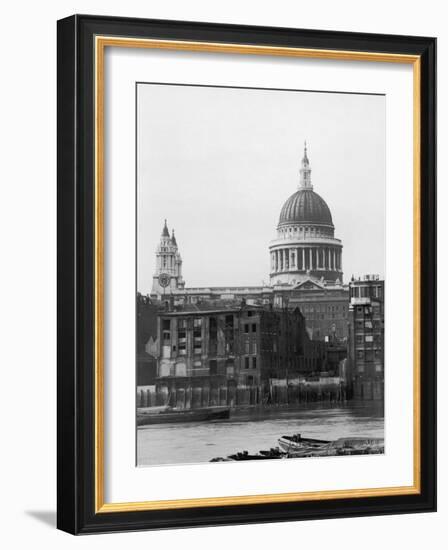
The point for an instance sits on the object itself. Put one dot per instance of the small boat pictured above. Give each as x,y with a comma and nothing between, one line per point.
244,455
298,444
274,452
357,442
167,415
358,445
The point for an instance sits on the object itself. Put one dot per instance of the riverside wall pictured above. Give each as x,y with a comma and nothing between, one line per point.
276,392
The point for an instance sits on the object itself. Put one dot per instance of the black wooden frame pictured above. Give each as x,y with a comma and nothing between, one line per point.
75,475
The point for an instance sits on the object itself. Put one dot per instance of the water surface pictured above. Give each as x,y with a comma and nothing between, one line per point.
255,429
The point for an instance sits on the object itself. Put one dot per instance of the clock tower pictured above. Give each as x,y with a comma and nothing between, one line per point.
168,274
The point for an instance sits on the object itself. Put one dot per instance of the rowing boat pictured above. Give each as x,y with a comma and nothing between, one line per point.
297,443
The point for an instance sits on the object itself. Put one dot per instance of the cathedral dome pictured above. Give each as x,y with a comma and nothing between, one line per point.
305,245
305,207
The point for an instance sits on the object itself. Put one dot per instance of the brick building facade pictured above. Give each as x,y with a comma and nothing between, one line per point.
366,337
227,354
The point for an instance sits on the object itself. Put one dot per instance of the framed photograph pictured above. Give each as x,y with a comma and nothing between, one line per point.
246,274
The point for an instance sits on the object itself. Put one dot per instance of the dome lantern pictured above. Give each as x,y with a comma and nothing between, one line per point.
305,172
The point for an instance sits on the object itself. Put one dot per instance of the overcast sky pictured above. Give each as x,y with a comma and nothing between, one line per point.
219,163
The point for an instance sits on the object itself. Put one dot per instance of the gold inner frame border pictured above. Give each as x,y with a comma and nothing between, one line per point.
100,44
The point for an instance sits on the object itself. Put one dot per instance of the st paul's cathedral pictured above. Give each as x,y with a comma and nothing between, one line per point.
305,266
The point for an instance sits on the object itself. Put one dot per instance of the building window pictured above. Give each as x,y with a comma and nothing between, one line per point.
250,313
359,339
246,362
229,321
230,367
182,348
213,336
379,368
197,348
246,346
166,336
230,346
246,329
213,366
166,324
254,362
369,338
254,328
360,354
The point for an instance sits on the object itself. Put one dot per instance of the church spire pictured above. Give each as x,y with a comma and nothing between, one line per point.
165,232
305,171
168,265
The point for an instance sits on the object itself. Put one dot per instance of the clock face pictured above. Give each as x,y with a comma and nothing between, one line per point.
164,280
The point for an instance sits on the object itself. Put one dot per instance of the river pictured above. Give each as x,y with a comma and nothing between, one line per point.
255,429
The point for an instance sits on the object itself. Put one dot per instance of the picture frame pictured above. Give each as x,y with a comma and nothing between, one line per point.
82,195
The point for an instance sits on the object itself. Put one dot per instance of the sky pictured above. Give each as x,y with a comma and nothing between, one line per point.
219,163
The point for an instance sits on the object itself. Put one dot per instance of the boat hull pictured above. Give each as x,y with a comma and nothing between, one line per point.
176,416
292,444
297,447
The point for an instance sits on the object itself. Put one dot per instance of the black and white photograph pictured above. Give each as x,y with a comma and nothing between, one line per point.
260,273
220,268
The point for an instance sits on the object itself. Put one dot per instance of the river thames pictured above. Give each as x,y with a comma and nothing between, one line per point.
254,430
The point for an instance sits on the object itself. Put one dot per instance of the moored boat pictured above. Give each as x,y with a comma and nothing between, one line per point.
358,445
297,443
167,415
244,455
296,446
